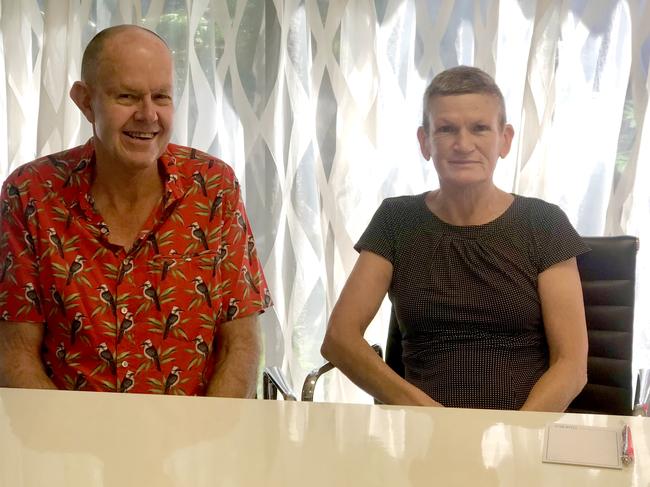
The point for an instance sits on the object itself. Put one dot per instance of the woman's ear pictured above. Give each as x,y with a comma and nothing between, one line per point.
423,139
506,140
81,96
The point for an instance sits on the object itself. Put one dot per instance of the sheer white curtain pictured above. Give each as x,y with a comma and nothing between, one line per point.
316,103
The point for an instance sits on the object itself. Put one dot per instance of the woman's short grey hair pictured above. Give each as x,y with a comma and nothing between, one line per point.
462,80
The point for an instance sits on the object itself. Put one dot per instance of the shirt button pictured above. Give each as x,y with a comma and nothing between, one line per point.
125,364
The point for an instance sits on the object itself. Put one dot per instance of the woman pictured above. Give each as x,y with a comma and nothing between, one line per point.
484,283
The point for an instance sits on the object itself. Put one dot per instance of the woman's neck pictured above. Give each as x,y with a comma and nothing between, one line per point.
468,206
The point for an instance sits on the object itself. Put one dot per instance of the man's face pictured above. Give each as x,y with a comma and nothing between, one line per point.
465,138
130,98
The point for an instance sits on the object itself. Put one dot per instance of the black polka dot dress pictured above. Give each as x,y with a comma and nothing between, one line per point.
466,297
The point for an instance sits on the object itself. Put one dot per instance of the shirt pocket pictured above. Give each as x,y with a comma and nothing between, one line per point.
189,288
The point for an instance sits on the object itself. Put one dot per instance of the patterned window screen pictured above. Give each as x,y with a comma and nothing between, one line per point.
316,104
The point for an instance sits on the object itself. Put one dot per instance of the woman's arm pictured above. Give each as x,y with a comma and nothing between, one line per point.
345,346
563,311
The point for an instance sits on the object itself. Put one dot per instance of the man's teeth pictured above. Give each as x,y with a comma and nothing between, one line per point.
141,135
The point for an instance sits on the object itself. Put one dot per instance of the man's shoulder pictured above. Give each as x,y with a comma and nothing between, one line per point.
190,160
54,167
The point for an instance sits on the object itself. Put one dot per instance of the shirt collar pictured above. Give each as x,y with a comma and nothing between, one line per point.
81,172
174,188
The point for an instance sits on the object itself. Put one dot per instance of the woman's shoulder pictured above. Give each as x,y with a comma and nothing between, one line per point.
543,216
399,213
536,207
404,202
533,202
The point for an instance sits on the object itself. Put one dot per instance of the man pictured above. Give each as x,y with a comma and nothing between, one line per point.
128,264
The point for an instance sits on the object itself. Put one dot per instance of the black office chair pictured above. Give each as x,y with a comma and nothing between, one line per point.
607,274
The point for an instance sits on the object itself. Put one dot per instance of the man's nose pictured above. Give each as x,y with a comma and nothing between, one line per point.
146,110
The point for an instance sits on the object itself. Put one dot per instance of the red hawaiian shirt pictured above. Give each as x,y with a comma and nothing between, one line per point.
138,321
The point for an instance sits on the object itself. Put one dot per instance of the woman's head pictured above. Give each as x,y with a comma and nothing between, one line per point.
464,129
462,80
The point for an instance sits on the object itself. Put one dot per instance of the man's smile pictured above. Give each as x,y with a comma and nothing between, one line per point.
140,135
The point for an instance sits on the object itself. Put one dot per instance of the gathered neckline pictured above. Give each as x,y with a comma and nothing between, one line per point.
470,230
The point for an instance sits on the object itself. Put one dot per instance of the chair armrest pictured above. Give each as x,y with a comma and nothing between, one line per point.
310,381
273,381
642,394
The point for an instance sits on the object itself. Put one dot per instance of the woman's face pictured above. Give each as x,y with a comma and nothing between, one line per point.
465,138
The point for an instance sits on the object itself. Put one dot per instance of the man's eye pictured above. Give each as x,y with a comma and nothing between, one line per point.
481,128
125,96
445,129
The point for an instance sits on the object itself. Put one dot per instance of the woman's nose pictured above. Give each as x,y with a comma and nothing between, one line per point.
464,141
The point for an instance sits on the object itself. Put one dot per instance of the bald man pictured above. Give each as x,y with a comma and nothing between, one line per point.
128,264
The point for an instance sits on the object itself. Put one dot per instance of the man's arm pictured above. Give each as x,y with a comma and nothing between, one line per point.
238,358
563,310
20,357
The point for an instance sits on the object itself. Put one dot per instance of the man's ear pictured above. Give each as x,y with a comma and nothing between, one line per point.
80,94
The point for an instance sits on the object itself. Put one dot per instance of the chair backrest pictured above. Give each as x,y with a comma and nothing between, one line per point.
607,274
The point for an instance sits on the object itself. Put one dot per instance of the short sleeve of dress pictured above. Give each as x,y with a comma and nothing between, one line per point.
379,236
555,238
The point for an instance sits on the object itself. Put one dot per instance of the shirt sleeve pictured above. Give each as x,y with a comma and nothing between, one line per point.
379,236
20,291
556,239
246,291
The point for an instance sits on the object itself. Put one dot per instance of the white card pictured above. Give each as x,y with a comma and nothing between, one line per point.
583,445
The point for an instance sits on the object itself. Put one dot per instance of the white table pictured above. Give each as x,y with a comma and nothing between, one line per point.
57,438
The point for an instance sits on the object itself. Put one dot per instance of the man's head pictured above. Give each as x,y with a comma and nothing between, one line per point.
461,80
93,51
126,94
